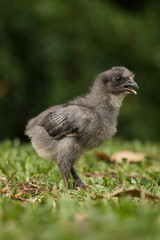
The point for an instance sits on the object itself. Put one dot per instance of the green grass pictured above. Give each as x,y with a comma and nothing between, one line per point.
35,205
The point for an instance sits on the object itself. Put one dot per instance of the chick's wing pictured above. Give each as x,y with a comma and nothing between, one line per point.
66,121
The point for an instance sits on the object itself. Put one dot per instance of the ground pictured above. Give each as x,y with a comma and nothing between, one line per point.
35,205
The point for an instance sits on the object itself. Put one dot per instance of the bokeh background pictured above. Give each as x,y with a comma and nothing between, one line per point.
50,51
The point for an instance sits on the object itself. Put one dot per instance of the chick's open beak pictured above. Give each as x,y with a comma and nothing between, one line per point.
131,83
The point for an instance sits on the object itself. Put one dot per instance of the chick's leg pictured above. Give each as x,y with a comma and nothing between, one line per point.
66,159
65,174
77,181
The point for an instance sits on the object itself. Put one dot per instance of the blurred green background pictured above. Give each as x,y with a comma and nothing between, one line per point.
50,51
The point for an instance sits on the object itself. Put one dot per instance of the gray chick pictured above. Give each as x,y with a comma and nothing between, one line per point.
63,132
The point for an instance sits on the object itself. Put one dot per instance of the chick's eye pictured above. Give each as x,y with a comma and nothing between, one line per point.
118,79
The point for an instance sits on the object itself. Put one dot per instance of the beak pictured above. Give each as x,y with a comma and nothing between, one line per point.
131,83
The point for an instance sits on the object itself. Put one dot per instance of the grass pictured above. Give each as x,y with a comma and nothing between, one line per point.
35,205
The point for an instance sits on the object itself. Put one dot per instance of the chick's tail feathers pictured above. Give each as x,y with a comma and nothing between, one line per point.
31,124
